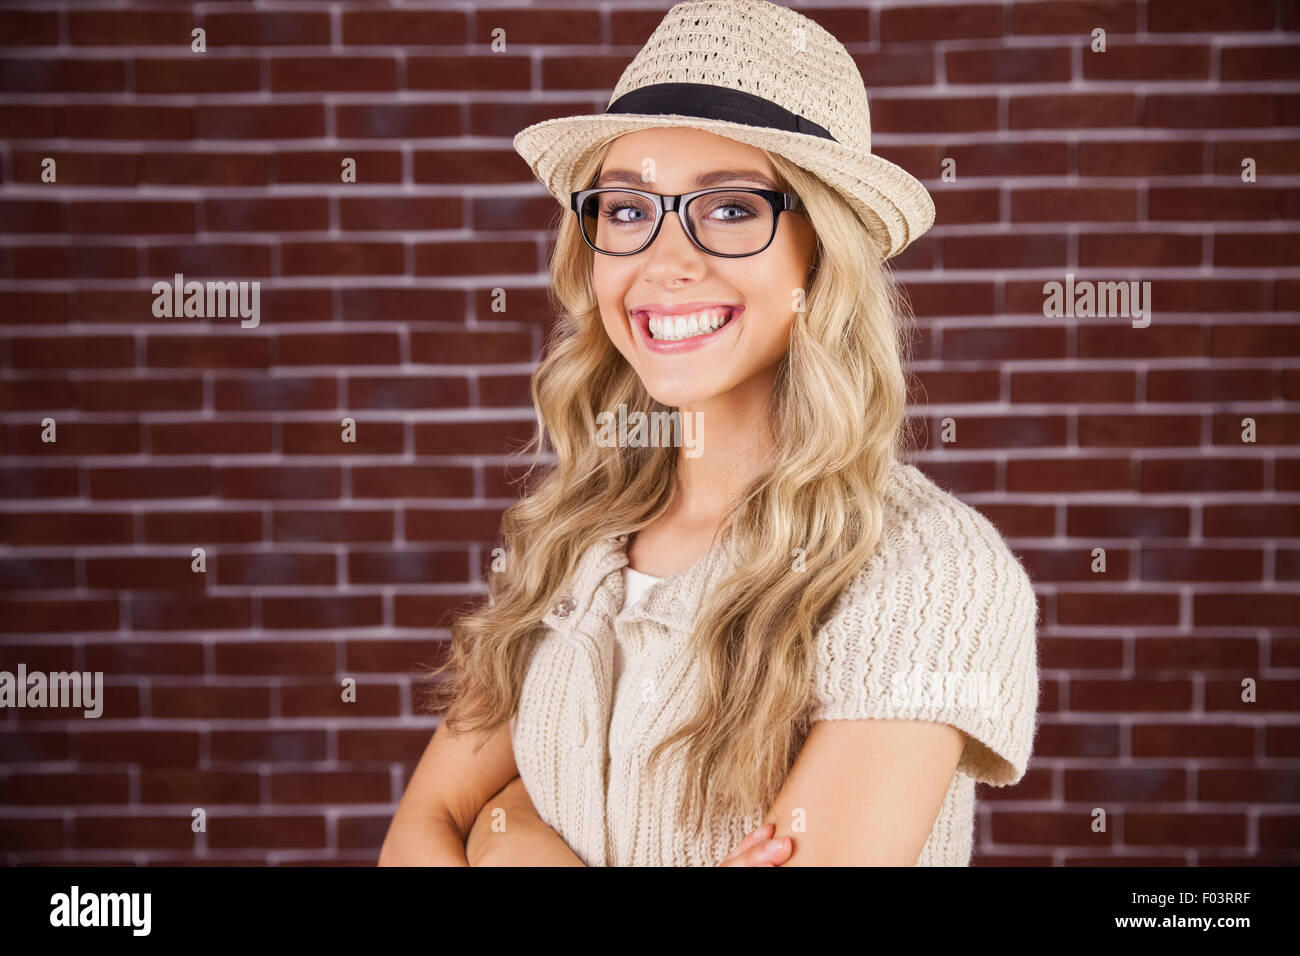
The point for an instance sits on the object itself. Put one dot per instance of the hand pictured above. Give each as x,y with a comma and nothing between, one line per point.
753,850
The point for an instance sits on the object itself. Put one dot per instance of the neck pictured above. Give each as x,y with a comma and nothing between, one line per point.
735,443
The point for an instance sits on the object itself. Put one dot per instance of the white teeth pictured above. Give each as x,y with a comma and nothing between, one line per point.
670,327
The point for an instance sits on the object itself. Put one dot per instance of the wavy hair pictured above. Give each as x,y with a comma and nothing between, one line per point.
838,422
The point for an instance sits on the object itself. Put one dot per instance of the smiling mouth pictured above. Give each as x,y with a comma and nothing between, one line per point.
677,328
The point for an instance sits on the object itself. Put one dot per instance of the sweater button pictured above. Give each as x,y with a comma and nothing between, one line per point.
565,607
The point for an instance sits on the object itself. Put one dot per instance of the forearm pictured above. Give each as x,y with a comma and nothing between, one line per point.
509,832
426,840
526,844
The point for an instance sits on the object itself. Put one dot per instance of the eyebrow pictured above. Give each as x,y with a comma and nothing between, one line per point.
627,177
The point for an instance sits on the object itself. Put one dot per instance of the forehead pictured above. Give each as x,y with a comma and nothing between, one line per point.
679,157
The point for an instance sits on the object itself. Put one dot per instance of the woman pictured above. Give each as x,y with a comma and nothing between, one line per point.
768,641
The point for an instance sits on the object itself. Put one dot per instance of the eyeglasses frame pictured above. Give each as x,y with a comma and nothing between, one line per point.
779,201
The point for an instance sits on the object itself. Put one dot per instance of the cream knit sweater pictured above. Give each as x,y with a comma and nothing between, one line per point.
939,626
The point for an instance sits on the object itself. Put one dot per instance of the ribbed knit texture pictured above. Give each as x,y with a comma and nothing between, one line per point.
943,599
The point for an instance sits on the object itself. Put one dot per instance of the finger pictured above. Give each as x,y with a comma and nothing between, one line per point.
762,833
764,854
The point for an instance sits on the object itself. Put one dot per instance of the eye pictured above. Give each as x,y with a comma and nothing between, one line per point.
611,212
733,209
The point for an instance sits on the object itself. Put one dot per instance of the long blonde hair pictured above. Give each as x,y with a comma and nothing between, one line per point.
838,414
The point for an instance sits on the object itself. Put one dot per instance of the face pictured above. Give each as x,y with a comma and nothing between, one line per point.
739,359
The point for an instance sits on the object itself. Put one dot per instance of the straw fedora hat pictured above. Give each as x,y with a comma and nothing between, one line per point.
758,73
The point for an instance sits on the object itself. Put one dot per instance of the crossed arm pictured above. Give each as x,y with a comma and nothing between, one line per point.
861,793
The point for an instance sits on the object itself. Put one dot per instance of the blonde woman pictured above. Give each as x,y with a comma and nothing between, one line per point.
768,640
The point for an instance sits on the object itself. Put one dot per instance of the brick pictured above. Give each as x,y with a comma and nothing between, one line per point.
280,393
210,438
72,352
320,74
197,787
397,120
1150,61
1194,655
274,746
54,789
269,215
204,169
433,391
29,28
941,22
277,481
54,528
224,74
1211,110
140,658
351,525
143,573
1070,19
1015,65
1127,784
342,258
266,832
261,658
145,747
268,28
255,121
412,481
351,786
28,573
31,75
1161,158
325,700
154,394
1207,16
380,213
1200,474
307,166
1073,110
167,612
419,27
207,351
206,527
350,611
211,259
262,569
129,122
338,349
211,702
1184,829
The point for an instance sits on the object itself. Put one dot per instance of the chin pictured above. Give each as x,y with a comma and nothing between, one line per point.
677,394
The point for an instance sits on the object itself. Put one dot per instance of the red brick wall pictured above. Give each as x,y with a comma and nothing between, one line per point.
328,560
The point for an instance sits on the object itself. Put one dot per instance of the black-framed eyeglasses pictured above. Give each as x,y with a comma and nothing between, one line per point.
728,221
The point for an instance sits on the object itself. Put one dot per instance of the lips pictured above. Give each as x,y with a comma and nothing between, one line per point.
679,322
640,321
668,327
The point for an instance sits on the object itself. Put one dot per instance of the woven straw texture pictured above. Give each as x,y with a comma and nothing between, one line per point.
772,52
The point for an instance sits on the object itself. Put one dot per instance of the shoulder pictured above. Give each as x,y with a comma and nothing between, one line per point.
943,603
936,547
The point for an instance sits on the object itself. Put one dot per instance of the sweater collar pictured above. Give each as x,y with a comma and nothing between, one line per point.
673,601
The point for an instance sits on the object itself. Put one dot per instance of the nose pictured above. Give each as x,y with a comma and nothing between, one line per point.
673,238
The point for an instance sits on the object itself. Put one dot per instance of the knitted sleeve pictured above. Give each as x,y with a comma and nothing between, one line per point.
939,626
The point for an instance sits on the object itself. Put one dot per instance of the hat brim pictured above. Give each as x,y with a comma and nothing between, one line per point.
895,207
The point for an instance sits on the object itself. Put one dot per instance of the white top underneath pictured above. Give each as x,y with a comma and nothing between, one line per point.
635,584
